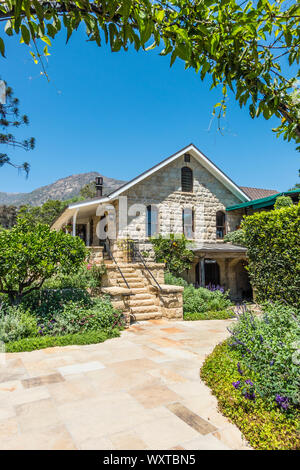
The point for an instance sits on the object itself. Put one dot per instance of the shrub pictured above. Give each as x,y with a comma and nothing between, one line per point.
264,427
87,276
269,345
209,315
203,300
237,237
76,317
283,201
91,337
173,252
273,243
30,255
15,324
47,302
174,281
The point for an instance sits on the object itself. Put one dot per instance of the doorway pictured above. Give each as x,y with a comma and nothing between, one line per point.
211,272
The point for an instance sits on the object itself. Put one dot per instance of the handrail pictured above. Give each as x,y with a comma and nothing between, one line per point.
113,258
137,251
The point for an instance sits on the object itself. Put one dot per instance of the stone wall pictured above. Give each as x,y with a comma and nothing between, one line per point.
163,189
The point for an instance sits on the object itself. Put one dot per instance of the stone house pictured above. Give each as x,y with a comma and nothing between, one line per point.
185,193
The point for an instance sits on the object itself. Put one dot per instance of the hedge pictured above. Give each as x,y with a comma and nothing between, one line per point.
264,427
210,315
273,243
42,342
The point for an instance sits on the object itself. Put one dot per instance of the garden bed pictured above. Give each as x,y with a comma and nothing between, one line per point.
265,427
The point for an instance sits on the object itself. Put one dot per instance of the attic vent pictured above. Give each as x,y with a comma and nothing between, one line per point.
186,179
187,158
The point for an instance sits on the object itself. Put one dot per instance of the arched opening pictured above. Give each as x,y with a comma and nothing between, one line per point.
186,179
152,221
211,272
220,225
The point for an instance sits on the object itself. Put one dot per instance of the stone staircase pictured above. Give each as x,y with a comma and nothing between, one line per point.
140,298
143,301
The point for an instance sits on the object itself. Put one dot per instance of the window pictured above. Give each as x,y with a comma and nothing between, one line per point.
220,225
188,222
186,179
152,221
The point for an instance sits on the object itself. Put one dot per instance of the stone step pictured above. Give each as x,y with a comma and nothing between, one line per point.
146,316
144,309
143,296
139,290
134,302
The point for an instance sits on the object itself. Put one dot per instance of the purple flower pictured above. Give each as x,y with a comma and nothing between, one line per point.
239,369
283,402
248,382
236,384
249,396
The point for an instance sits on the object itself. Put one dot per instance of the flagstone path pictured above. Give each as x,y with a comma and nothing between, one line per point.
140,391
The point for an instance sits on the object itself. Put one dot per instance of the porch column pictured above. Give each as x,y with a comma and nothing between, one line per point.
74,223
88,233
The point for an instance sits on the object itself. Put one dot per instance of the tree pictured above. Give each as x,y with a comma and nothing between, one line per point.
297,185
173,252
242,46
10,117
88,191
30,255
45,214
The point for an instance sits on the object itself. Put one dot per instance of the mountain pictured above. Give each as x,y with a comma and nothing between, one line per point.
62,189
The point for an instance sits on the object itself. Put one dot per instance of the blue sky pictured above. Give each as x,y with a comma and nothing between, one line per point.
121,113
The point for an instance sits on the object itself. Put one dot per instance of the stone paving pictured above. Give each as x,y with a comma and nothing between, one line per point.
140,391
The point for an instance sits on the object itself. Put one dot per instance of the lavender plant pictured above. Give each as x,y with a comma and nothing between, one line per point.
268,344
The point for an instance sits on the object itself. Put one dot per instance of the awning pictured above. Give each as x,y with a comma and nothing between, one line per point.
264,202
218,248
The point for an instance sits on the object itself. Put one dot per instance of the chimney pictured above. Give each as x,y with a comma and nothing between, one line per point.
99,186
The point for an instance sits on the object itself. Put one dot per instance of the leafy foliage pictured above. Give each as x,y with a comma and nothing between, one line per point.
283,201
10,117
30,255
173,252
273,244
201,303
270,347
240,45
90,337
89,190
202,300
15,324
264,427
237,237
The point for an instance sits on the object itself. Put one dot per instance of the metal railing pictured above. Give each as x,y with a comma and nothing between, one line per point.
111,256
137,256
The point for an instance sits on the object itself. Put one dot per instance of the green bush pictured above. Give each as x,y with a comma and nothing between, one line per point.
264,427
47,302
91,337
273,244
174,280
201,303
87,276
29,255
15,324
173,252
237,237
209,315
75,318
201,300
283,201
269,345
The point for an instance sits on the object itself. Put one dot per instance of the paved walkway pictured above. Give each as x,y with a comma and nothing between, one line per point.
140,391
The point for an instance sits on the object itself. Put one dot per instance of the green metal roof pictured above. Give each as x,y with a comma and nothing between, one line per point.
264,202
